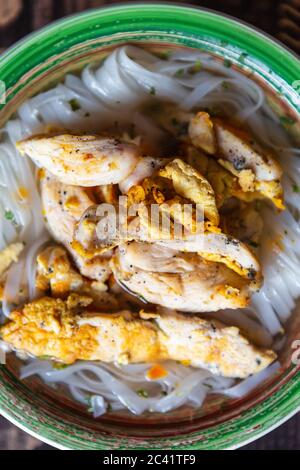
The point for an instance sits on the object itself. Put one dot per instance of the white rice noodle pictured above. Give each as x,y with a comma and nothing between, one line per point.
247,385
97,385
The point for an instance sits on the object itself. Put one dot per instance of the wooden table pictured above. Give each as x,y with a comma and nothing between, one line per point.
279,18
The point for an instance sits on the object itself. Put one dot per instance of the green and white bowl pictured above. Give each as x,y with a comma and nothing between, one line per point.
39,61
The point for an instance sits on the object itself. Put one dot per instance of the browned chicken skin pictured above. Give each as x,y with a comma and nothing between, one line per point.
67,331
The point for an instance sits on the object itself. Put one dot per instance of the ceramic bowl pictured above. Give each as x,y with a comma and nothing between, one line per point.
39,61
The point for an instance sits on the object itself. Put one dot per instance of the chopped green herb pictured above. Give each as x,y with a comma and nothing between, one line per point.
152,91
9,215
179,73
45,357
287,120
243,56
142,393
225,85
296,188
196,67
227,63
164,55
74,104
89,404
164,393
254,244
59,365
209,386
109,407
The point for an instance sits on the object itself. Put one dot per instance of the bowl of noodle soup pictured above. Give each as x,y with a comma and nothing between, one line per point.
95,71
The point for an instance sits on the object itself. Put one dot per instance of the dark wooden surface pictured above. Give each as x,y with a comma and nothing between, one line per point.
279,18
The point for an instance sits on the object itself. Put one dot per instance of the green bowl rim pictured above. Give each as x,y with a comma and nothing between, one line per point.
285,401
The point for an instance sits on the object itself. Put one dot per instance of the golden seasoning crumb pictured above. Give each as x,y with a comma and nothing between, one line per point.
277,244
23,192
113,166
41,173
156,372
186,363
72,203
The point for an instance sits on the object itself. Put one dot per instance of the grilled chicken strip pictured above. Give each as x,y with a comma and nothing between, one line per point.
63,205
223,249
254,166
82,160
190,184
257,171
244,222
55,273
181,281
218,247
67,331
145,167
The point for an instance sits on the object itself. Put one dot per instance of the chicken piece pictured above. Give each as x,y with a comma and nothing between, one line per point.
108,193
184,281
190,184
202,134
152,191
210,245
56,273
255,167
257,171
244,222
82,160
145,167
9,255
63,205
222,248
224,183
67,331
98,231
240,149
211,345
